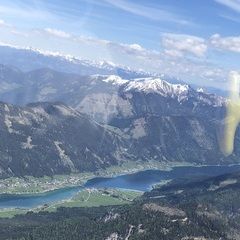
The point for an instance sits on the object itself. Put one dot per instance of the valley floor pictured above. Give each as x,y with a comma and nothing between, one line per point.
85,198
32,185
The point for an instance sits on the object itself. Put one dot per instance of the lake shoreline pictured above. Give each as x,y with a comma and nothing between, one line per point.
134,180
119,170
83,178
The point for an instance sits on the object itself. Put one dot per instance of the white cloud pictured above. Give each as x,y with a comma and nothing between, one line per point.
90,40
138,57
215,74
173,53
132,49
232,4
135,52
4,24
231,18
151,13
19,33
136,47
226,43
57,33
24,11
173,60
180,44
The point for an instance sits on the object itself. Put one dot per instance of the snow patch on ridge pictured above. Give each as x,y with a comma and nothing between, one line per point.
115,80
8,124
28,144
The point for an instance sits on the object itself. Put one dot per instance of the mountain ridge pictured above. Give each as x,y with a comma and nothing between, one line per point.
50,138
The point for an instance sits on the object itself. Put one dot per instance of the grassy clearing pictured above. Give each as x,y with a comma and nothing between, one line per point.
9,213
98,197
85,198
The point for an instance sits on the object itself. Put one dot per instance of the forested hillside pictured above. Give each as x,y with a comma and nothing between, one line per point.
183,209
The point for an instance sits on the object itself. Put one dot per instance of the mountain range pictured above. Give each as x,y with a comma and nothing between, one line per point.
28,59
85,117
96,121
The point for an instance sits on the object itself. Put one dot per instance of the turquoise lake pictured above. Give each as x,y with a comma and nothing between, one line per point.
141,181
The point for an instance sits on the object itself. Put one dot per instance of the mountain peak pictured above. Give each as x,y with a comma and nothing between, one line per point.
157,85
52,108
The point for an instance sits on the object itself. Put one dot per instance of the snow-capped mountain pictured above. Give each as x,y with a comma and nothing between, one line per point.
28,59
154,85
158,86
103,97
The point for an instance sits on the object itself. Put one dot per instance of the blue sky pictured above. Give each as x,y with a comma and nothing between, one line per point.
197,41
